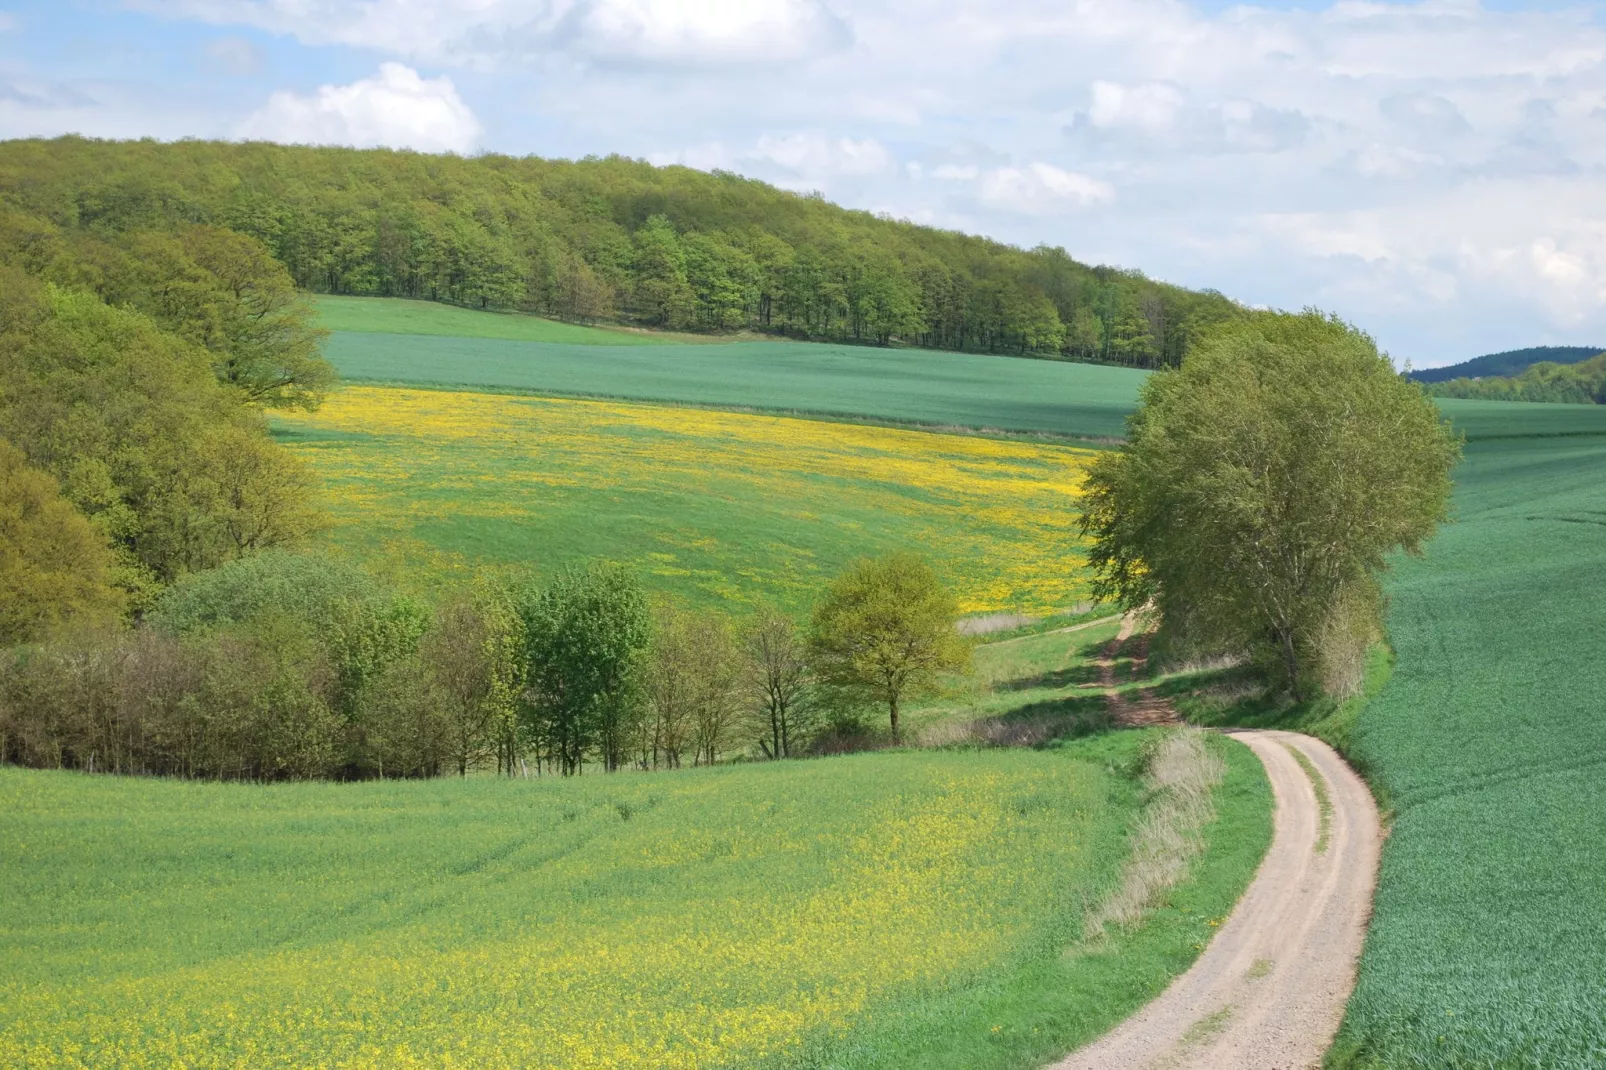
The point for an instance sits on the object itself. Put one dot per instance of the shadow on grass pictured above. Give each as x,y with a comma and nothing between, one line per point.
1032,724
1083,670
1073,676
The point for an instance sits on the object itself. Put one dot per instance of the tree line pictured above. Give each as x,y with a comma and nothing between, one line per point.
1583,383
286,665
609,239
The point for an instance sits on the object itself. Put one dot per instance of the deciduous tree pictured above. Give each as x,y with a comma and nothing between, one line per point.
779,682
1261,490
586,636
55,567
886,630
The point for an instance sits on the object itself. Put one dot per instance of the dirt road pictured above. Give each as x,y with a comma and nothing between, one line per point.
1269,991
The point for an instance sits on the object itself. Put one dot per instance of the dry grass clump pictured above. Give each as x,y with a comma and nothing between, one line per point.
1182,772
988,623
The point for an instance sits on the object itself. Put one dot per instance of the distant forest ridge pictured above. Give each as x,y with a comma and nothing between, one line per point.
1511,362
606,240
1579,383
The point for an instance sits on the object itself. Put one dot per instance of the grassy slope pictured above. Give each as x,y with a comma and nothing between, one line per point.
1487,947
1029,677
367,315
143,923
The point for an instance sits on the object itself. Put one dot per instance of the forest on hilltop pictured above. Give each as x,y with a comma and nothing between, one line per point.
611,239
1583,383
1511,362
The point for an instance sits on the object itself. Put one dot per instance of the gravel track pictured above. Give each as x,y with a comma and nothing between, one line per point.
1269,991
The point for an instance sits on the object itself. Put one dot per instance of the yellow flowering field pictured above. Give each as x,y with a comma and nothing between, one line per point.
714,506
711,918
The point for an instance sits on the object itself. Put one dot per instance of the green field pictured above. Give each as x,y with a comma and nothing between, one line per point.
896,385
401,316
869,908
440,345
1482,420
1488,945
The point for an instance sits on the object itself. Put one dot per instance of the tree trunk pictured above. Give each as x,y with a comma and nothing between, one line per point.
893,707
1291,663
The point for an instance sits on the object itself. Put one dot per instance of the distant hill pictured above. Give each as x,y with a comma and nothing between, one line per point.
1511,362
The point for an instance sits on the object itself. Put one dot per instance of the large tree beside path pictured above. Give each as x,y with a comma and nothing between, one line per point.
1262,488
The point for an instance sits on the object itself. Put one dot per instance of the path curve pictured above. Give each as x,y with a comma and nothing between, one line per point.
1269,991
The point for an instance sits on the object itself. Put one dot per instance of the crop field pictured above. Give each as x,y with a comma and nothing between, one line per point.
1488,945
1517,419
739,916
394,315
890,385
715,507
424,343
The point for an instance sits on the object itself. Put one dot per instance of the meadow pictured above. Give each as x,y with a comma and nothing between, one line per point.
852,912
712,507
1486,946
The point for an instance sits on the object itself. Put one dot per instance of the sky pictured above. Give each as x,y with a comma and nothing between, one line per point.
1432,171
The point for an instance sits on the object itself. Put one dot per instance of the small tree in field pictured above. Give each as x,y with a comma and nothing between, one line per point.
691,685
585,643
885,631
779,681
1262,486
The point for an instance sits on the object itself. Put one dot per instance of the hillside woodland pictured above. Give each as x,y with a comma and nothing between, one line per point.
1510,362
609,239
1583,383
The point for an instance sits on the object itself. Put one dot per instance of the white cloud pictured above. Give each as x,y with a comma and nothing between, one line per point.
1041,189
701,31
1153,107
802,161
499,32
816,154
396,108
1508,243
1281,153
231,56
